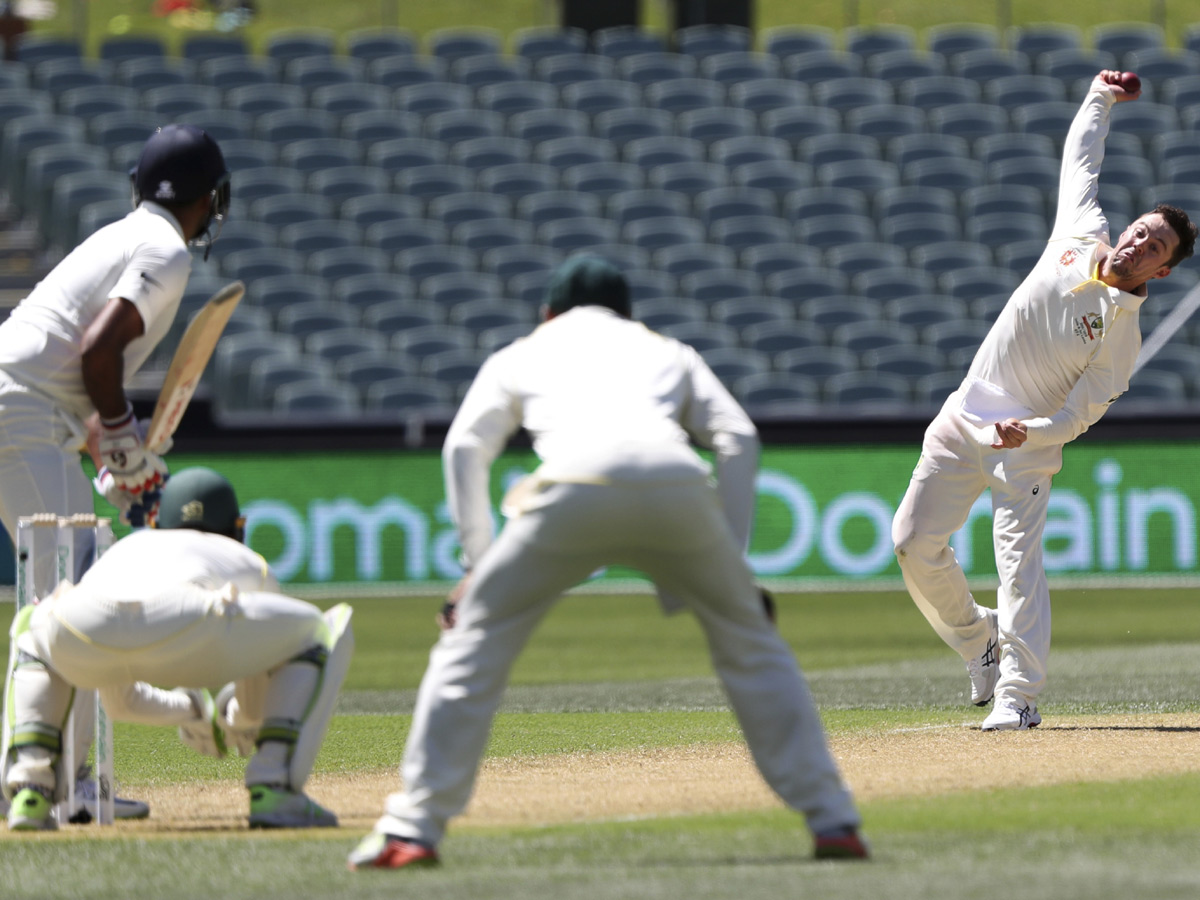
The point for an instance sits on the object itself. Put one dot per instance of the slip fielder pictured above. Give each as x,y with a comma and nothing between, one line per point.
611,406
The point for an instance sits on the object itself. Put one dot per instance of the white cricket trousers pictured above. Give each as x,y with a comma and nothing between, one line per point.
675,533
41,472
957,464
191,637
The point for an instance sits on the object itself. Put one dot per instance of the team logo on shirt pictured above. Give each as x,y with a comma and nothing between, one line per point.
1090,327
1068,257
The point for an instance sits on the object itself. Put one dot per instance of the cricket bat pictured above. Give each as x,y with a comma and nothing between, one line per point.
187,365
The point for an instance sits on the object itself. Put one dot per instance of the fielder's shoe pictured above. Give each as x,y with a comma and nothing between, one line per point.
31,810
85,799
1012,715
275,807
840,843
386,851
984,670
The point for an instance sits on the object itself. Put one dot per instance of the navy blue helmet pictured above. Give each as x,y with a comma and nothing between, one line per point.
181,164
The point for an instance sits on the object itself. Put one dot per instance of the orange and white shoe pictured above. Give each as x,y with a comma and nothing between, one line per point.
841,843
386,851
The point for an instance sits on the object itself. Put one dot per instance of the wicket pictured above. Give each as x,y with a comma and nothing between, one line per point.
32,531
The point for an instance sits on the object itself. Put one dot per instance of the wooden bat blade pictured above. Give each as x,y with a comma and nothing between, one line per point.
187,365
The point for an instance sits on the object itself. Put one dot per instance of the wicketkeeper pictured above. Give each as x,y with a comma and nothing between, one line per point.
188,604
69,348
611,407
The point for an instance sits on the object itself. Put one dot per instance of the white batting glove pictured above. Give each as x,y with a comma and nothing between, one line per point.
137,512
133,468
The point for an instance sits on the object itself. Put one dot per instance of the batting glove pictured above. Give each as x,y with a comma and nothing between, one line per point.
136,512
133,468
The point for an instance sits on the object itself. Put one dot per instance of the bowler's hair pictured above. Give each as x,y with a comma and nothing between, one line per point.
1183,226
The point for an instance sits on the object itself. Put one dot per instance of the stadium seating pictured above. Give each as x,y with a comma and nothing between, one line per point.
902,177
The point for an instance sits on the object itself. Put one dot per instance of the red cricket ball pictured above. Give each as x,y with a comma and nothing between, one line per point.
1130,82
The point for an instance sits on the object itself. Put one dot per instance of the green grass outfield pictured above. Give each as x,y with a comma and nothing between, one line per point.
609,673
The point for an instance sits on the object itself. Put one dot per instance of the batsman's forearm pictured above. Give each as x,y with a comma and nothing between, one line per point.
103,379
102,353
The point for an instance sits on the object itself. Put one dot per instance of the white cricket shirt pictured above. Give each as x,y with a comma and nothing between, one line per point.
605,400
150,563
1063,348
142,258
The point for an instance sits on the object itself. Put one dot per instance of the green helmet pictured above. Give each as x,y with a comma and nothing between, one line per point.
588,280
202,499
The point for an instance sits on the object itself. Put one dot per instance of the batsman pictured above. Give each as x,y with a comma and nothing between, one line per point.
69,348
1060,352
185,603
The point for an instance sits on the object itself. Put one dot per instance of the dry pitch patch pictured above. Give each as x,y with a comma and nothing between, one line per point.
564,788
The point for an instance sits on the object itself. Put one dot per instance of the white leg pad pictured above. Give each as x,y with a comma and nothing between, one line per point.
340,642
314,715
37,701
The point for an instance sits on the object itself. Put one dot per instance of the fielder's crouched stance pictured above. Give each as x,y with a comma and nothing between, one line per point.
611,406
188,604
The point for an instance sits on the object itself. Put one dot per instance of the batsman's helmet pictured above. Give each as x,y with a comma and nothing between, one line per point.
201,499
587,280
180,164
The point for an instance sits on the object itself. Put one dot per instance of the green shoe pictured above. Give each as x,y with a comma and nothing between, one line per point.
272,807
31,810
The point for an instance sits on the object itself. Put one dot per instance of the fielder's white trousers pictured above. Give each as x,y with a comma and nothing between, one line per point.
192,637
675,533
957,464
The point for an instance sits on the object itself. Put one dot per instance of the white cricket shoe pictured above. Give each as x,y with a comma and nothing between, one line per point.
1012,715
984,670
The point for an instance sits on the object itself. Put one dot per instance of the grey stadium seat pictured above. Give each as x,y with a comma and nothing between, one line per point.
869,388
778,337
783,41
860,337
305,319
316,399
288,44
272,372
817,362
337,342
